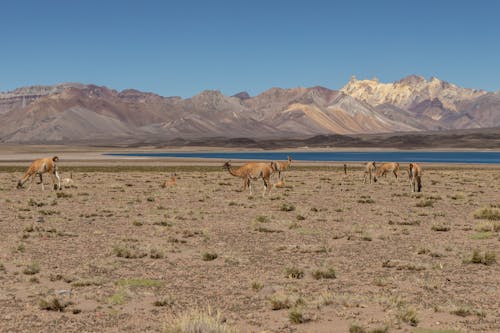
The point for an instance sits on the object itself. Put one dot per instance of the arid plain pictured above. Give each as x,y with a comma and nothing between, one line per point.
116,252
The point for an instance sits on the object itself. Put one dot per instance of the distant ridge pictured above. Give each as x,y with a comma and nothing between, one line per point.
73,113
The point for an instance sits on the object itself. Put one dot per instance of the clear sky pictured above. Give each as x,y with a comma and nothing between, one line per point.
180,48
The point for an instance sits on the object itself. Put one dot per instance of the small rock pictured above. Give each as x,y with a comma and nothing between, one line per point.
63,292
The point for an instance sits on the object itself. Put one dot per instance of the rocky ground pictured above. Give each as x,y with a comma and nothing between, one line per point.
115,252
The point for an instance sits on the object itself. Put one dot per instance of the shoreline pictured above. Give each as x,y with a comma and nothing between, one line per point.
11,155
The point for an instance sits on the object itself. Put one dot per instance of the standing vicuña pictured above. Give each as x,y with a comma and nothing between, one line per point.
280,166
387,167
38,167
252,171
415,175
369,168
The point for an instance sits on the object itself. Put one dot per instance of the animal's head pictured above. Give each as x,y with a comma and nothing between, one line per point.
289,159
19,184
227,165
55,158
375,179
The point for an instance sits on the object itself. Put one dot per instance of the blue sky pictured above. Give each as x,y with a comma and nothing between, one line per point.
180,48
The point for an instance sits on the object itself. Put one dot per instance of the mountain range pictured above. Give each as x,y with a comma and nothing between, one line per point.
74,113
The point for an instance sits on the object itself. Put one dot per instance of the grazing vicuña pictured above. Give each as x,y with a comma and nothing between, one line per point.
38,167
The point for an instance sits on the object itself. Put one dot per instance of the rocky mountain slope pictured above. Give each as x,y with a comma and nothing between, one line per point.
77,113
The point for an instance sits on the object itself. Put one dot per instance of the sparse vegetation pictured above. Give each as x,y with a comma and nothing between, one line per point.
262,219
209,256
488,214
123,274
32,269
64,195
257,286
128,251
296,316
356,328
280,301
164,302
440,227
425,203
286,207
199,322
408,315
53,304
294,273
488,258
329,273
137,283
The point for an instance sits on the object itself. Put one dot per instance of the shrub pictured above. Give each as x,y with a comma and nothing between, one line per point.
487,214
257,286
287,207
296,316
209,256
64,195
294,273
127,252
488,258
279,302
31,269
199,322
439,227
425,203
326,274
53,304
262,219
409,316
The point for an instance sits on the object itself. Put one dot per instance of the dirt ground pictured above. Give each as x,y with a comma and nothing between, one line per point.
115,252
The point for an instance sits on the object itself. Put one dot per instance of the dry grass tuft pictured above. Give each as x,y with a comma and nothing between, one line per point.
408,315
53,304
199,322
209,256
31,269
488,258
492,214
294,273
285,207
280,301
296,316
324,274
425,203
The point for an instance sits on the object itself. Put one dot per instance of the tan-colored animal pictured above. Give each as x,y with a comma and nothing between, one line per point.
170,182
39,167
252,171
415,175
369,168
280,184
280,166
385,168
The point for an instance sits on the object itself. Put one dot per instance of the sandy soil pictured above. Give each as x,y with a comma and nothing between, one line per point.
122,254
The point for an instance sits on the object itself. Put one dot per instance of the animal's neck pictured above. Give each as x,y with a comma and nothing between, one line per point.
233,172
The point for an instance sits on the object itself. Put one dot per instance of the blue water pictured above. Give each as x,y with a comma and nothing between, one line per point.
479,157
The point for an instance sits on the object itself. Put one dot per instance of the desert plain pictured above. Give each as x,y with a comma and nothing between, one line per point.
115,252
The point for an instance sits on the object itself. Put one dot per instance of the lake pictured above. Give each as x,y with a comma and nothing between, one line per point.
475,157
